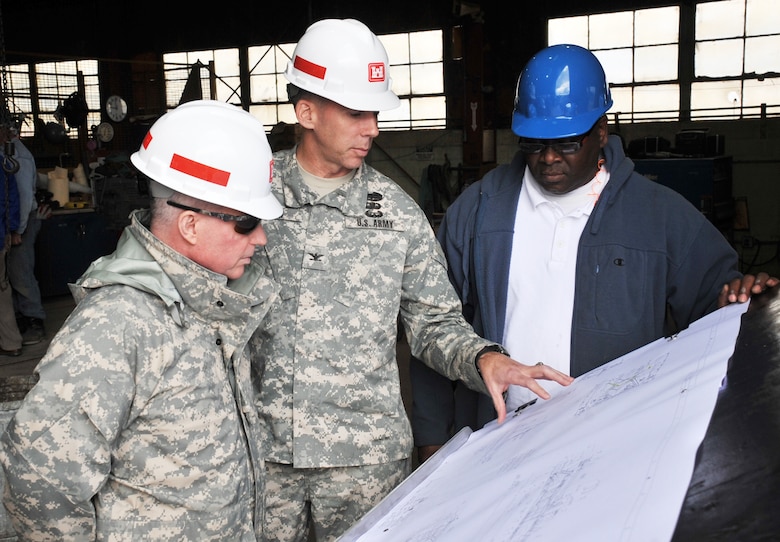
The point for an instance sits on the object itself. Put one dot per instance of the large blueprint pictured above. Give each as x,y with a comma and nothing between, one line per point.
608,458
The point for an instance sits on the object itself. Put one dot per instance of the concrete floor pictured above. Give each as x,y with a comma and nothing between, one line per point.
16,371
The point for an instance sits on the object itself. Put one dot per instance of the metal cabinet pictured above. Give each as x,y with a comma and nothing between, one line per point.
705,182
67,243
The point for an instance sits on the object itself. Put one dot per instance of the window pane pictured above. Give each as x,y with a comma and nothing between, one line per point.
88,67
264,89
283,54
203,56
761,92
720,19
569,30
426,46
261,59
265,114
655,26
618,65
763,17
428,111
396,118
400,75
715,99
19,78
611,30
175,58
229,89
718,58
657,101
287,113
657,63
427,79
761,55
397,47
622,100
226,62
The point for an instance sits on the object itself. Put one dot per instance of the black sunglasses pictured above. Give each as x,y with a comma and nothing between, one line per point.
571,146
244,224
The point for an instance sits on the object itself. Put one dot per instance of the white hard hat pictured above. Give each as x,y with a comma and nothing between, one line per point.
343,61
212,151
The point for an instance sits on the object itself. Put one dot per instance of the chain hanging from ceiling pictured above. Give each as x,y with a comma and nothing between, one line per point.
10,164
5,114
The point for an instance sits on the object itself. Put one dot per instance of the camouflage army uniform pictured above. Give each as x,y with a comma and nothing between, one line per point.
327,377
136,429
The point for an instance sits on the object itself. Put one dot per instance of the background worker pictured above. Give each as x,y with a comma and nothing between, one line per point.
352,251
10,338
28,306
141,424
567,255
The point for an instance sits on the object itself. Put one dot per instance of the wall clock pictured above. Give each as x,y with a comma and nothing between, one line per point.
116,108
104,132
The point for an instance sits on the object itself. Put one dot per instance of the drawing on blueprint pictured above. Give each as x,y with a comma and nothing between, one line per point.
633,376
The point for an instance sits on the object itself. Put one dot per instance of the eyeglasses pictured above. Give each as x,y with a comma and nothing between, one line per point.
570,146
244,224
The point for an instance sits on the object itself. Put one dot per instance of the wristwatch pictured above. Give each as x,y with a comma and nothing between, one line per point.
491,348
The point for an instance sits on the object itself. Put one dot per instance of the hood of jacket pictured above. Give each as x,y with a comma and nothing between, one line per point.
144,262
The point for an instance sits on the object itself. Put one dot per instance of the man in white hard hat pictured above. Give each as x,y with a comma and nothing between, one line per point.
141,425
352,252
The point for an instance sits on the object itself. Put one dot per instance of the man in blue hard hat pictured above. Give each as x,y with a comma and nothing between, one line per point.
567,256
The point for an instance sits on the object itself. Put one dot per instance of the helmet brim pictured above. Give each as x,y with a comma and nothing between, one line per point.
556,127
386,101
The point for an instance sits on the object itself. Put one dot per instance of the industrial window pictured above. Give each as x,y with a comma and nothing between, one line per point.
416,67
268,87
732,71
639,51
19,98
39,93
737,67
209,74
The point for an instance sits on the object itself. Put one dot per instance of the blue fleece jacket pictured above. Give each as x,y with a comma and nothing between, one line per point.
9,207
648,263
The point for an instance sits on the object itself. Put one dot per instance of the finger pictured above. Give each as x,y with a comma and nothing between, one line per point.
734,287
530,382
561,378
548,373
746,288
760,283
723,296
499,405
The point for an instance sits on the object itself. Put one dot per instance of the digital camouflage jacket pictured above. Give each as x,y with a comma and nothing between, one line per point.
349,264
141,425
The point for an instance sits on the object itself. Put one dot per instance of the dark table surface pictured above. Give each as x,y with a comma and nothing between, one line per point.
734,494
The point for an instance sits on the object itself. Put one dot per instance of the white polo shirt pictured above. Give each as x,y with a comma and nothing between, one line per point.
541,276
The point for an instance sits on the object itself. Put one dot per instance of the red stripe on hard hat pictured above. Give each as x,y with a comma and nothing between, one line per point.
315,70
200,171
147,139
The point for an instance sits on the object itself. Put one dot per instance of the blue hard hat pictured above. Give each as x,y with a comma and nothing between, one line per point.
561,93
